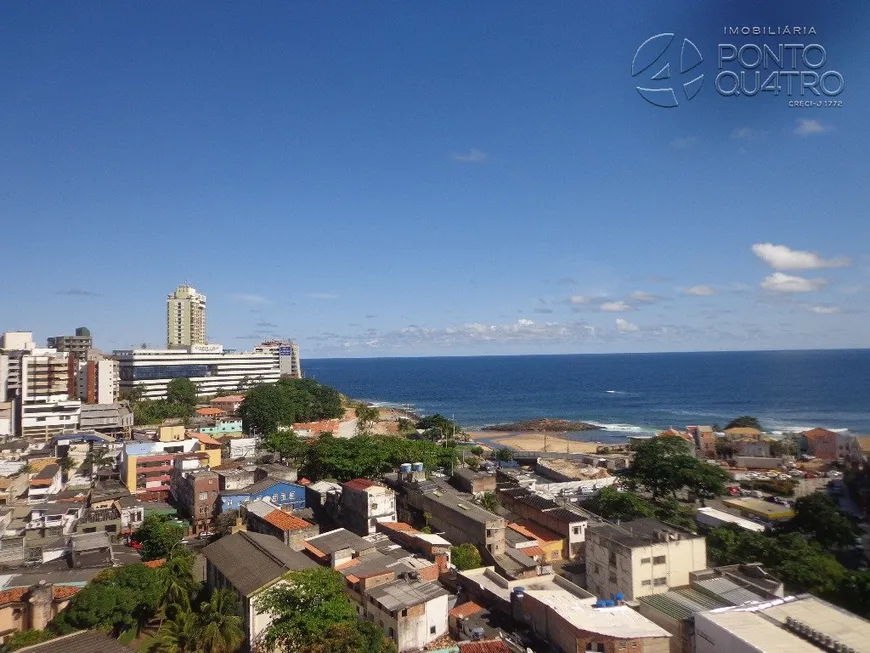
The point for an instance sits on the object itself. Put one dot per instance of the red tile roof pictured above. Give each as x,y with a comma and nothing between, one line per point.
209,411
359,484
532,551
490,646
534,531
155,563
286,522
205,438
15,595
228,399
63,592
818,432
398,526
465,610
303,481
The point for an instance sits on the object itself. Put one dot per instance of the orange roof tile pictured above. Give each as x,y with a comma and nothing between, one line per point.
63,592
359,484
286,522
465,610
205,412
15,595
532,551
536,532
155,563
228,399
399,526
205,438
38,464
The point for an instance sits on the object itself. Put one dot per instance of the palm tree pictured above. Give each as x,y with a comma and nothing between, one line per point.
221,628
177,635
176,575
99,457
66,464
489,501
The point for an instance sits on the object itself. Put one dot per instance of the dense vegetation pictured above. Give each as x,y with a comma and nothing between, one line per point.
614,505
664,466
465,556
269,407
159,536
180,402
313,614
744,421
437,427
800,553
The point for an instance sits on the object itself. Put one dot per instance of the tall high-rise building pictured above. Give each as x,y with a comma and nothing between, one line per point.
185,318
77,345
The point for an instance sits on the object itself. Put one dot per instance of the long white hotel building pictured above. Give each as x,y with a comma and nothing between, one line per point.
208,366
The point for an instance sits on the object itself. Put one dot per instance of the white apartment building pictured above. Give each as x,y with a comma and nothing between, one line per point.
97,380
364,503
412,613
287,354
208,366
185,318
640,557
39,384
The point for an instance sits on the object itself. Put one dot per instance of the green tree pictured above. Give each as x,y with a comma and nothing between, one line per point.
116,600
97,458
783,447
26,638
303,608
744,421
444,427
405,426
367,416
66,465
612,504
353,637
286,444
477,451
221,629
177,635
489,501
159,537
725,448
504,454
182,392
817,516
663,466
268,407
177,583
465,556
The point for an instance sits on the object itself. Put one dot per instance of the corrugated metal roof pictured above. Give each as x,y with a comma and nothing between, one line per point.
728,591
682,603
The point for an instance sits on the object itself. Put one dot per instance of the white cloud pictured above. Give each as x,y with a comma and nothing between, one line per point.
780,257
578,299
779,282
823,310
743,134
615,307
472,156
643,297
700,291
807,126
624,326
683,143
322,295
249,298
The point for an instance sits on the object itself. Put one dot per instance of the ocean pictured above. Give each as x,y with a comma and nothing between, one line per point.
623,393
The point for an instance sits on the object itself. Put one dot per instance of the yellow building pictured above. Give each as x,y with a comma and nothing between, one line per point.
171,433
551,544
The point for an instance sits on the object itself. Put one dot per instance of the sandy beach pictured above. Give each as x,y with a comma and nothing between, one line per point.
535,442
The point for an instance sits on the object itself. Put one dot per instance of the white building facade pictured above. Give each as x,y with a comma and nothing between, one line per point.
208,366
185,318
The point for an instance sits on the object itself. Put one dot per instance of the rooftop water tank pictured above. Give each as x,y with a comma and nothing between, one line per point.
600,603
405,468
609,603
417,467
519,589
619,596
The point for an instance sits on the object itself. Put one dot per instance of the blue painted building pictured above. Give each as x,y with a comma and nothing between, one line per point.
282,493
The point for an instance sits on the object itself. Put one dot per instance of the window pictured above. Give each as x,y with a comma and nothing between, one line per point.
658,582
644,561
576,530
554,555
659,560
283,496
275,498
645,583
392,633
612,579
405,612
595,647
432,630
612,558
203,496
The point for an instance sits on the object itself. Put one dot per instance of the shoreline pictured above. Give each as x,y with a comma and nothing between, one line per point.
536,441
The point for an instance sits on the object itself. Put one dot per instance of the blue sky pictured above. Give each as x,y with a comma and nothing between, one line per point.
409,178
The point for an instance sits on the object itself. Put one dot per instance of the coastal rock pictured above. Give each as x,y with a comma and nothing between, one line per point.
543,425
